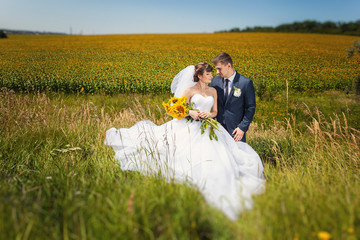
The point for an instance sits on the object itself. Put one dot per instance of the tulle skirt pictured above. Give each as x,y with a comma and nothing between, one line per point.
226,172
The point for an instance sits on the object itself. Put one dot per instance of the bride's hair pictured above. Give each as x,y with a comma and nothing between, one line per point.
200,68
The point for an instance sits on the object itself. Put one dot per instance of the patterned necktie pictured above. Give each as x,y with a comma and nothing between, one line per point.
226,89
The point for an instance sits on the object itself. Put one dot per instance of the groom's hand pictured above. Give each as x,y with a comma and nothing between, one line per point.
238,134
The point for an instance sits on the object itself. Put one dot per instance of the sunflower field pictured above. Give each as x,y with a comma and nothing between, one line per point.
147,63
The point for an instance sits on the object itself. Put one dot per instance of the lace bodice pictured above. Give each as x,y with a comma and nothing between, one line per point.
203,104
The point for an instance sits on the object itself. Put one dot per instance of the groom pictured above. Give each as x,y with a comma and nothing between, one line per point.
236,97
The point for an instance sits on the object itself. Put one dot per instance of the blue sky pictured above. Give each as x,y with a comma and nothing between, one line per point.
161,16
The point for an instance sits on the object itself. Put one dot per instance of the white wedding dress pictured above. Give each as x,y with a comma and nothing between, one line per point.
226,172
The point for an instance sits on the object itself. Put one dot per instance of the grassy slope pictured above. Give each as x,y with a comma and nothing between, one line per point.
59,181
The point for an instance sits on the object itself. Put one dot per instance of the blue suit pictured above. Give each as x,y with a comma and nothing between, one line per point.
235,111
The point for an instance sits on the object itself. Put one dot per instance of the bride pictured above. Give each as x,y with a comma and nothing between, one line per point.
226,172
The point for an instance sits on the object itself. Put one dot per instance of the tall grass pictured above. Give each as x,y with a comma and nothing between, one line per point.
59,181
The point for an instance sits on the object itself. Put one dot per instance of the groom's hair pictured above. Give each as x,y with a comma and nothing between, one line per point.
223,58
200,69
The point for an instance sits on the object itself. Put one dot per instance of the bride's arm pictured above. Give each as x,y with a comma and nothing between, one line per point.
194,114
214,110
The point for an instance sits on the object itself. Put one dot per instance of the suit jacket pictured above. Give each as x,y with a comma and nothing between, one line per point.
235,111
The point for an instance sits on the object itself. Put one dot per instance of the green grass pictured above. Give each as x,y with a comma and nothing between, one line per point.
59,181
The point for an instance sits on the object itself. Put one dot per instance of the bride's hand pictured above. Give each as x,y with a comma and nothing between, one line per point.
204,115
194,114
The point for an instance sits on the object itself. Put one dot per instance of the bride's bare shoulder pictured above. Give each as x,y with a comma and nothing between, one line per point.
212,91
189,92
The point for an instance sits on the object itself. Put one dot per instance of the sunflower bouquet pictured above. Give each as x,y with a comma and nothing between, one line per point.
178,108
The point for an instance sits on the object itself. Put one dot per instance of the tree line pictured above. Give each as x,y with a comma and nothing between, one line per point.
307,26
27,32
2,34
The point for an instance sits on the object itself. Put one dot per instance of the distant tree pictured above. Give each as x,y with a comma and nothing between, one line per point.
235,29
308,26
263,29
2,34
329,25
283,28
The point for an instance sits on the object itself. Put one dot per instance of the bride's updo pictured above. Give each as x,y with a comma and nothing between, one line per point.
200,69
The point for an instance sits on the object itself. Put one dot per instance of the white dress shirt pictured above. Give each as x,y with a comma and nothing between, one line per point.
230,83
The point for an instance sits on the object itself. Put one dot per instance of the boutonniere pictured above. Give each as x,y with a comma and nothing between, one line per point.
237,92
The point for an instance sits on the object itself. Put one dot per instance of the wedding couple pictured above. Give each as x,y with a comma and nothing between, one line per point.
227,171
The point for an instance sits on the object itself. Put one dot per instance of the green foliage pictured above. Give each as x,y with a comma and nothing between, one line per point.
355,48
307,26
2,34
